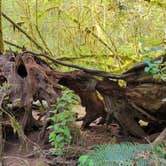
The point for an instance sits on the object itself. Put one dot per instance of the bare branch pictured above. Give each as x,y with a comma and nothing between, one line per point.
89,71
14,45
21,30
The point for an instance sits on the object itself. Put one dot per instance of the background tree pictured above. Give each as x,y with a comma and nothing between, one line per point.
1,35
1,51
108,35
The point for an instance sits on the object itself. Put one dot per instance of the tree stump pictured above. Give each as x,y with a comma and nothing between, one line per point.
28,79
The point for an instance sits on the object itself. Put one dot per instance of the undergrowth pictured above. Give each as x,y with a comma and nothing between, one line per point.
125,154
62,115
157,69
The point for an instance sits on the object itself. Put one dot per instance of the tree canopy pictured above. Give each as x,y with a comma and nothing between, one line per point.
100,34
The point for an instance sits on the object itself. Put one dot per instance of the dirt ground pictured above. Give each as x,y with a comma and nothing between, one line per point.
15,155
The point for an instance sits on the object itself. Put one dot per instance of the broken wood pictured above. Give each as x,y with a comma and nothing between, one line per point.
141,99
29,81
85,87
161,138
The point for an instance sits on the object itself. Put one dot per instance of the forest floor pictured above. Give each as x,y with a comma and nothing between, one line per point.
95,135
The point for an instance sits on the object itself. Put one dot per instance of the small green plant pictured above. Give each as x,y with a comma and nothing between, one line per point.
156,68
61,117
161,151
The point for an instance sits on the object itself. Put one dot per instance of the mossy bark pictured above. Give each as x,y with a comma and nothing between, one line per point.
1,51
1,34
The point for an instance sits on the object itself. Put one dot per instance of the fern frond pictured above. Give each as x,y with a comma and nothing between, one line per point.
125,154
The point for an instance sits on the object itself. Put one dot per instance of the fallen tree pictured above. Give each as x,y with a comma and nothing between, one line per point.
31,79
141,98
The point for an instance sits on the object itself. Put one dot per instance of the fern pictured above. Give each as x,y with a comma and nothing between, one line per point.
126,154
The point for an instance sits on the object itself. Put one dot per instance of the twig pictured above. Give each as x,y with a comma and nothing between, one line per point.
70,58
43,41
161,137
14,45
115,51
91,32
101,41
143,112
38,31
21,30
81,56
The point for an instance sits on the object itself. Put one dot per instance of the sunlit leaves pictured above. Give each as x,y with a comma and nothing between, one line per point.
79,28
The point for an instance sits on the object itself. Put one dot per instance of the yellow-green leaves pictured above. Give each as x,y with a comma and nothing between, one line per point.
108,35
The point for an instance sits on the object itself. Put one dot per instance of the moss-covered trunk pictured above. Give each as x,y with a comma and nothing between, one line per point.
1,51
1,34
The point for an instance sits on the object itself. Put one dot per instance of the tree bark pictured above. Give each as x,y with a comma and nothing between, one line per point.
1,51
1,34
141,99
1,140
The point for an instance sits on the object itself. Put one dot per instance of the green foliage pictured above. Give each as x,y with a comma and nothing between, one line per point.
161,151
125,154
99,34
156,68
61,117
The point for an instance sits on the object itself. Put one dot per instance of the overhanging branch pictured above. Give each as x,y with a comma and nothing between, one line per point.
21,30
89,71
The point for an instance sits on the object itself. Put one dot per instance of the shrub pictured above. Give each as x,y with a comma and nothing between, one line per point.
61,117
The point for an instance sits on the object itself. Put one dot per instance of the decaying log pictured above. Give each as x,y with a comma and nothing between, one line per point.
141,99
84,86
33,79
29,81
118,107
